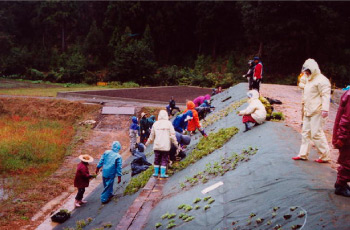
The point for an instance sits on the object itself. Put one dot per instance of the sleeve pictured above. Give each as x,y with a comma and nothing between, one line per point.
85,172
196,119
325,92
302,82
257,71
151,136
100,163
344,123
118,165
249,110
172,135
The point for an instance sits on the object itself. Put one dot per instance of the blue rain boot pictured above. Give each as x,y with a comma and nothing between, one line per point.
156,171
162,172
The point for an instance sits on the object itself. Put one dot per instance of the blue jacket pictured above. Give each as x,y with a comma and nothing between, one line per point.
151,121
179,123
205,104
111,161
134,125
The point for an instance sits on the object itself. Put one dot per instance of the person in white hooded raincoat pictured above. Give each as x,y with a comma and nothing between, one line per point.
162,134
255,113
316,99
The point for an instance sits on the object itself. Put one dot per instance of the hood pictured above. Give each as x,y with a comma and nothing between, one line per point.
207,97
116,146
190,105
188,113
182,139
312,65
152,117
141,147
253,94
134,120
163,115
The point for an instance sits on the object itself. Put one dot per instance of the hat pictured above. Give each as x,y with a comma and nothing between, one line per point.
143,114
256,58
86,158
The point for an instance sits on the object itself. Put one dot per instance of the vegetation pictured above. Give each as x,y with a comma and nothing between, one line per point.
139,181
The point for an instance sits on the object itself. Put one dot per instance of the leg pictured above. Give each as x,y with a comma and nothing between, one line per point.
80,194
107,192
343,176
318,136
157,159
165,160
305,139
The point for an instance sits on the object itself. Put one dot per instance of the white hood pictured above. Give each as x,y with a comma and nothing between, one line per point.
163,115
312,65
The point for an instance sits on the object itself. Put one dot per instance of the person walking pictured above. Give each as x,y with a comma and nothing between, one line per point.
258,74
249,74
341,141
133,132
144,128
162,134
316,98
111,164
82,178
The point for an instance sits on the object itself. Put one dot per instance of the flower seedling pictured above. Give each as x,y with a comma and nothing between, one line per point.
301,214
293,208
206,207
269,222
187,208
296,226
197,200
181,206
274,214
107,225
182,185
276,208
277,227
165,215
197,207
184,217
287,217
181,215
211,200
259,220
171,225
249,221
252,215
189,218
158,225
206,198
89,220
172,215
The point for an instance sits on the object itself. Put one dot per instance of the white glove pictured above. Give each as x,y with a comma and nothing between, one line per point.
254,78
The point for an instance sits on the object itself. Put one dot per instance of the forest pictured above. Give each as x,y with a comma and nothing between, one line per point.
172,43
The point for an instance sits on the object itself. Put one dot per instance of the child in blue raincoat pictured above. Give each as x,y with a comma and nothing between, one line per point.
133,132
111,164
181,121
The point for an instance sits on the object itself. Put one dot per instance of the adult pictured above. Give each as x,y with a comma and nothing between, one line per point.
316,98
180,123
199,100
249,74
194,123
162,134
111,164
258,74
144,128
341,141
151,121
172,106
255,113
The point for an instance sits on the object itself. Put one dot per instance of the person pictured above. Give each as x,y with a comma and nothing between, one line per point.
176,153
249,74
172,106
180,123
255,113
144,128
316,98
151,121
258,74
139,163
199,100
194,123
133,132
82,178
111,164
341,141
162,134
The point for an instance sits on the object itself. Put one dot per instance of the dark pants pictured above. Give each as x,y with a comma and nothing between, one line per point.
250,82
80,194
161,157
344,169
256,84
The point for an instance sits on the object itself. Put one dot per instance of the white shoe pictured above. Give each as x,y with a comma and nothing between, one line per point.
83,202
76,204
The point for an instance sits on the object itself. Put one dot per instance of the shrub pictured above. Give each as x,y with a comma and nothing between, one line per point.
34,74
90,78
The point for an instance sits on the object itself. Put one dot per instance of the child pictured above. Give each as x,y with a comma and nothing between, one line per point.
255,113
181,121
82,177
194,124
133,132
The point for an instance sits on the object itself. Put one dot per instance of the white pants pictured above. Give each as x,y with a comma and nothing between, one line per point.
313,130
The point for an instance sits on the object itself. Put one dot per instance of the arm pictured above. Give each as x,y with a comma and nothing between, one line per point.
118,165
196,119
249,110
172,135
344,122
100,163
325,92
151,136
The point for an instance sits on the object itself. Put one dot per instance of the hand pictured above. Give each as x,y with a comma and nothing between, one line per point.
339,144
97,170
254,78
324,114
119,179
243,75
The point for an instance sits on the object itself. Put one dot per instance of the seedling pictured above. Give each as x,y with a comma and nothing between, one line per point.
293,208
187,208
172,215
252,215
197,207
89,220
171,225
181,215
182,185
259,220
184,216
249,221
274,214
107,225
189,218
206,207
287,217
276,208
211,200
80,224
197,200
206,198
301,214
269,222
165,215
158,225
277,227
296,226
181,206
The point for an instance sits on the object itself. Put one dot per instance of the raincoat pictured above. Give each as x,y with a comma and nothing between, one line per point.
255,108
341,132
199,100
82,176
316,98
133,132
181,121
194,123
151,121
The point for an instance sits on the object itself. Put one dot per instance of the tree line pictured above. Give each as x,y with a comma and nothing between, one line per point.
154,43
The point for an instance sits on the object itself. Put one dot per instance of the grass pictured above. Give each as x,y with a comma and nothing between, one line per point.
139,181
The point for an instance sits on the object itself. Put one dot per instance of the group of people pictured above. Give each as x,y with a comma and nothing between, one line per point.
254,74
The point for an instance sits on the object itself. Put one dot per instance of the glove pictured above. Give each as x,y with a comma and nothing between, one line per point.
243,75
339,144
254,78
324,114
119,179
97,170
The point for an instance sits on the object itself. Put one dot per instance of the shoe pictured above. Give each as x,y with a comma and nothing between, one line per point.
83,202
247,127
299,159
321,161
77,203
342,190
156,171
162,172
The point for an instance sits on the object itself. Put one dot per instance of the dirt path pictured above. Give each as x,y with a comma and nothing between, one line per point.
291,108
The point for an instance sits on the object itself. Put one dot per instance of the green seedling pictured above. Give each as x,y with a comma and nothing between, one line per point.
205,180
171,225
249,221
296,226
181,206
172,215
269,222
107,225
277,227
187,208
184,216
292,208
181,215
188,219
301,214
89,220
80,224
158,225
206,198
287,217
197,207
206,207
274,214
211,200
259,220
182,185
165,215
197,200
276,208
252,215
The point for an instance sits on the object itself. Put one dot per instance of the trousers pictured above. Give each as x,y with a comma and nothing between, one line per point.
161,157
108,189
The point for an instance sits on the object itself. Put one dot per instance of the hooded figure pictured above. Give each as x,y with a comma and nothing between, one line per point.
199,100
111,164
341,141
194,124
255,113
181,121
144,128
162,134
139,163
316,98
133,132
151,121
177,153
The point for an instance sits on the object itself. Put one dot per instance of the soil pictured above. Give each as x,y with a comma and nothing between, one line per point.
181,93
291,108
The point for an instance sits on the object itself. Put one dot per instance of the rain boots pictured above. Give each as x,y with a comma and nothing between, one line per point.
156,171
163,171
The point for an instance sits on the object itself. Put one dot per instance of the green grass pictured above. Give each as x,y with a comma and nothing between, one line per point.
138,181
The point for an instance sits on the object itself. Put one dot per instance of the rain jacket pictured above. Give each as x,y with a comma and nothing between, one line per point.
258,71
199,100
162,133
317,90
255,108
82,176
134,125
111,162
341,128
205,104
151,120
194,123
181,121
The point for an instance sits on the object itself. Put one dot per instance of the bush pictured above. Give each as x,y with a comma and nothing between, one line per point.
90,78
34,74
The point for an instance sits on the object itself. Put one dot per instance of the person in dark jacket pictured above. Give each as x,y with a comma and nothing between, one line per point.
341,141
82,178
249,74
171,106
139,163
151,121
144,128
181,121
176,153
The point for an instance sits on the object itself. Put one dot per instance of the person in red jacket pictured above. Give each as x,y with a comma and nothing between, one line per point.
82,178
194,124
258,73
341,141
